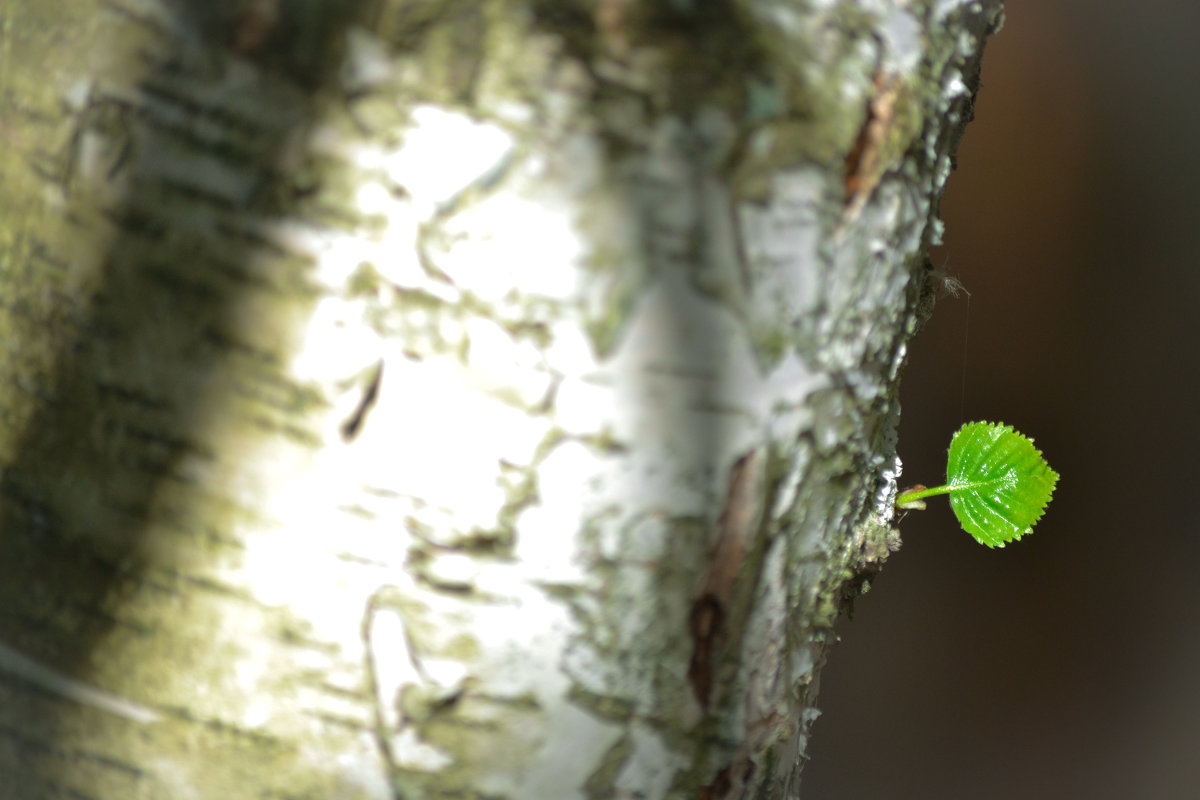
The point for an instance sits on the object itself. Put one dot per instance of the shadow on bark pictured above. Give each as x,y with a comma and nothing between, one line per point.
164,181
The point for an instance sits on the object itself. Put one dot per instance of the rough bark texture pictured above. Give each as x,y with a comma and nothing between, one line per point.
451,398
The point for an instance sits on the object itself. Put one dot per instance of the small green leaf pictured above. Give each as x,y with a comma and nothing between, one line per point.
999,483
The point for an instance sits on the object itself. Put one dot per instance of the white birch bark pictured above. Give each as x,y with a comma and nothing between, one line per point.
451,399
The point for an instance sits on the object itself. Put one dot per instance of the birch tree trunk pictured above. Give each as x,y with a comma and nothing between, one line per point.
425,399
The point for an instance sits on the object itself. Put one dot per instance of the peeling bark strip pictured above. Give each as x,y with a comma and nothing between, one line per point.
642,273
865,163
706,623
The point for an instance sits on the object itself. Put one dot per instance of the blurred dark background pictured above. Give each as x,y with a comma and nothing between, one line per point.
1067,664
